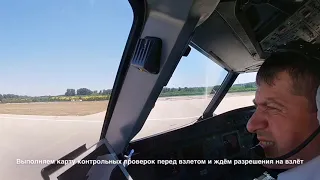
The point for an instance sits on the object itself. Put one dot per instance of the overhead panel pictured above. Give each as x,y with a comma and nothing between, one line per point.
303,24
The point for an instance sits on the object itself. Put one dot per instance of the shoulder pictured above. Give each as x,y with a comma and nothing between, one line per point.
306,171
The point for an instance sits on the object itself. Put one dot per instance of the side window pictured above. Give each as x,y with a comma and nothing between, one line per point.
186,96
58,62
240,94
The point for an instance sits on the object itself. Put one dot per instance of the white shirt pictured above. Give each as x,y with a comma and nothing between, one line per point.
307,171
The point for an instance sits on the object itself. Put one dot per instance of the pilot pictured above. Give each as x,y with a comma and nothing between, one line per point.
286,113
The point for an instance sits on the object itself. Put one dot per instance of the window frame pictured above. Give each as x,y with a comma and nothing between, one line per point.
219,95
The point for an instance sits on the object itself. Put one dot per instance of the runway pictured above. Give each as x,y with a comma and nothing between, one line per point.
51,137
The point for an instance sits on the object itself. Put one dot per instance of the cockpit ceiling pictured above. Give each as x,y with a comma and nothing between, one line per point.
240,36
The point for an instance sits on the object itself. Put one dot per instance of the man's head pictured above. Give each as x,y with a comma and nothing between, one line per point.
286,111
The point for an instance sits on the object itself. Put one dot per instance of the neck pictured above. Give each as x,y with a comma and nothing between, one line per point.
311,151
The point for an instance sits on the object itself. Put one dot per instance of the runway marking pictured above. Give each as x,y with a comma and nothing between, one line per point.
89,121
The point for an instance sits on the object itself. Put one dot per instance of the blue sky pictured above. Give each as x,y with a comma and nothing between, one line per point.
49,46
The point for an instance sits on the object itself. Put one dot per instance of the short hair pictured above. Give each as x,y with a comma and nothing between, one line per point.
304,73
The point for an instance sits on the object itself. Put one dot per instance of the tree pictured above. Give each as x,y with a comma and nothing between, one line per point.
70,92
248,85
106,92
84,91
1,97
165,89
213,91
216,87
6,96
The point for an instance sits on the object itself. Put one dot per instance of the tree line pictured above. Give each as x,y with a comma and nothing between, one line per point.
86,91
85,94
188,91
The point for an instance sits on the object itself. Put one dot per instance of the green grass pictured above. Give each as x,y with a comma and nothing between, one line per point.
166,92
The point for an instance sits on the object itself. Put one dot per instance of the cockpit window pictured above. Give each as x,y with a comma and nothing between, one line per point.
58,62
186,96
240,94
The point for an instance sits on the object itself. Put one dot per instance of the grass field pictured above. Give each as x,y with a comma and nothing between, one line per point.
55,108
83,108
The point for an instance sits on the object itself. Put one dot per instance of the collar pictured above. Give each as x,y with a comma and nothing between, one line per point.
308,170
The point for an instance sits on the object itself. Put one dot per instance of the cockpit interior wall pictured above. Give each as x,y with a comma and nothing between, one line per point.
219,137
236,33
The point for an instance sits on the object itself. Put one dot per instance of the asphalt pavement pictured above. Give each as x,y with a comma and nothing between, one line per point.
28,137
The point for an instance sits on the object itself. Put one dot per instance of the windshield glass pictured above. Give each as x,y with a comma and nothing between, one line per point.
58,62
241,94
186,96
